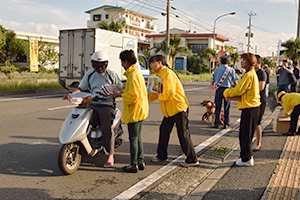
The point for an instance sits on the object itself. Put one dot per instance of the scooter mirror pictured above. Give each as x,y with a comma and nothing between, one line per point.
62,83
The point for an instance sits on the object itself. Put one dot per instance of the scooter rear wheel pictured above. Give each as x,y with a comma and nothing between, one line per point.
69,158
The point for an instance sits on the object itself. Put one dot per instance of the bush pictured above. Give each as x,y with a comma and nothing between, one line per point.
8,70
23,69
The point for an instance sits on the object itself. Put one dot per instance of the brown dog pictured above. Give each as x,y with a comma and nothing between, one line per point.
210,109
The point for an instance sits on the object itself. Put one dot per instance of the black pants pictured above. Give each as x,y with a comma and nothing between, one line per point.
249,119
181,120
294,119
218,101
104,115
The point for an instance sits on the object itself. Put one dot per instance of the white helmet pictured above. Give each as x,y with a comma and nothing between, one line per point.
100,57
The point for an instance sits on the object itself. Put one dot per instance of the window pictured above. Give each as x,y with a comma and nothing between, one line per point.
97,17
107,16
157,45
197,48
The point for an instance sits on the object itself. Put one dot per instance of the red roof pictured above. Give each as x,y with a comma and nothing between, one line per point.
190,35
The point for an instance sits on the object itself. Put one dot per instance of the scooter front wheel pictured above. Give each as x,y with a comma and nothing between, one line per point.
69,158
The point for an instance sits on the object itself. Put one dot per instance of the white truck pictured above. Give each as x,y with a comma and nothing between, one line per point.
76,47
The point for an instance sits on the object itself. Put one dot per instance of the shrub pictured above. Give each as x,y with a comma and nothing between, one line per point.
23,69
8,70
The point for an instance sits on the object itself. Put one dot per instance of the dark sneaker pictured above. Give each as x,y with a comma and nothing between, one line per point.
216,126
289,134
157,159
130,169
141,166
185,164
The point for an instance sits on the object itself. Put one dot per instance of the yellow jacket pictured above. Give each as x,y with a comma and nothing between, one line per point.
135,101
172,100
290,100
247,89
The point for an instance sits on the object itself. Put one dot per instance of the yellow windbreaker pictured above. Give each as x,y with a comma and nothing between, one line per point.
290,100
172,100
247,89
135,100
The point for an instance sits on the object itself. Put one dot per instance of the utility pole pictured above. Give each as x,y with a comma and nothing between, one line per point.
249,33
168,30
298,27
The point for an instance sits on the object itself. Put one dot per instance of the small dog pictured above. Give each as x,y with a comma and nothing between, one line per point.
210,110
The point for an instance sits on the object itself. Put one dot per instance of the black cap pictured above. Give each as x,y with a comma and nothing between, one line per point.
225,57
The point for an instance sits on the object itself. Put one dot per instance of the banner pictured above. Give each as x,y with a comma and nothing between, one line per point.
279,47
34,55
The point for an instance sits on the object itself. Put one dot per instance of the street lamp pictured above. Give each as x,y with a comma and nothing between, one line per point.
232,13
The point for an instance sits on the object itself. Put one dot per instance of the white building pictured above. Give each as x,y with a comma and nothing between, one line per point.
138,24
197,42
22,61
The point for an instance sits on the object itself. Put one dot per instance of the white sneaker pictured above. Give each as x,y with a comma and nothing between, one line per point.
185,164
249,163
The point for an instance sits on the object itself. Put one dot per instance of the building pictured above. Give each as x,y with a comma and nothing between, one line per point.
22,61
197,42
138,24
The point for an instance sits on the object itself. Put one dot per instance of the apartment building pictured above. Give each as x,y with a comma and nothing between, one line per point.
138,24
197,42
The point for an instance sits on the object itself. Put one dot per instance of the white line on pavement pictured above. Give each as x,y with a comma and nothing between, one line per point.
200,88
57,108
33,97
143,184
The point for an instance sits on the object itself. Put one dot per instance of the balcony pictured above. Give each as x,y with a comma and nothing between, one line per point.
134,22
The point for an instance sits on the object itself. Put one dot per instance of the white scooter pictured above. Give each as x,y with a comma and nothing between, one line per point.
78,137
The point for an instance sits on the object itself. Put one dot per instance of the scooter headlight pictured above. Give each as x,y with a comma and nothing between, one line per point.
76,100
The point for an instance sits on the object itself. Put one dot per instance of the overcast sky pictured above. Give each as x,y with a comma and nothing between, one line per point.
272,19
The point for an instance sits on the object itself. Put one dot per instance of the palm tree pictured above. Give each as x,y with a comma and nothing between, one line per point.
208,54
113,26
235,57
174,48
292,49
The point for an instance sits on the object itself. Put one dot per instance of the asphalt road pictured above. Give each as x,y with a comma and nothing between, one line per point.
29,147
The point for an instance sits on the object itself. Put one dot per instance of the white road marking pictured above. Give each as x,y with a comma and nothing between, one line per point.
61,107
143,184
34,97
200,88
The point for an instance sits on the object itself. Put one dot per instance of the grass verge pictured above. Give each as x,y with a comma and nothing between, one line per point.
14,86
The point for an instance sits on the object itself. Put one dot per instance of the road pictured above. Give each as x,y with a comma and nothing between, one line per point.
29,147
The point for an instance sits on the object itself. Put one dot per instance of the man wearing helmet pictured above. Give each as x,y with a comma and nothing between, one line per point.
102,106
291,101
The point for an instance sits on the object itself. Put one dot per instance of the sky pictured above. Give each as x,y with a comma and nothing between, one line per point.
272,20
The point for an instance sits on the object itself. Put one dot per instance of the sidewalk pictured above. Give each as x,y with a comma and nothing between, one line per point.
275,175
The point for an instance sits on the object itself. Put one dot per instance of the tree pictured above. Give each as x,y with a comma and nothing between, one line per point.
113,26
2,37
12,47
291,49
235,57
174,48
269,62
208,54
47,54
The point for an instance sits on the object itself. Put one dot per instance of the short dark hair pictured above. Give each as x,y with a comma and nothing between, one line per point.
128,55
157,58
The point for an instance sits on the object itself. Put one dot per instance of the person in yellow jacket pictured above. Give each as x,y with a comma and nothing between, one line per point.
247,93
174,106
291,101
135,109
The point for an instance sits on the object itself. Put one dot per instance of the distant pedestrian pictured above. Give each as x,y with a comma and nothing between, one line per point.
262,79
296,73
174,106
283,79
247,90
291,101
136,108
223,77
268,72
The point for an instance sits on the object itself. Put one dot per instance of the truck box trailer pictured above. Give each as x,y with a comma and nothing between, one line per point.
76,47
